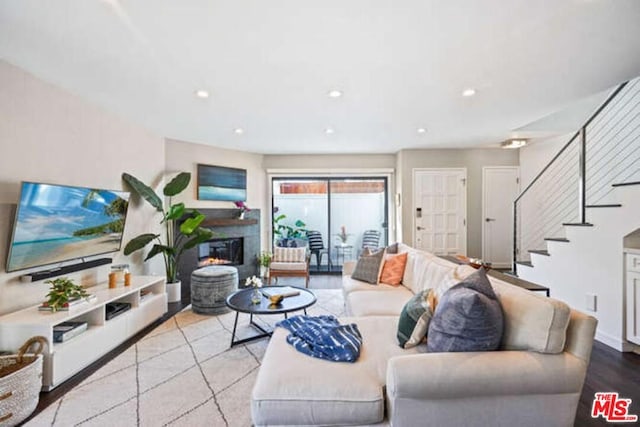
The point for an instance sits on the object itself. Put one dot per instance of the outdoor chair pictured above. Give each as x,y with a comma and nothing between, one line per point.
316,246
370,239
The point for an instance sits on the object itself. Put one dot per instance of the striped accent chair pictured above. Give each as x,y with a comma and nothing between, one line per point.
289,262
316,246
371,239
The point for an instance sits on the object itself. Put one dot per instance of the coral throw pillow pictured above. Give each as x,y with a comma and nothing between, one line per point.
393,269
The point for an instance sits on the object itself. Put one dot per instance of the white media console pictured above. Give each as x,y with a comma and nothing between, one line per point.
63,360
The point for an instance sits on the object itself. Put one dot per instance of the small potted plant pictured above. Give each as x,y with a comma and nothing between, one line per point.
288,235
343,236
264,261
62,292
243,208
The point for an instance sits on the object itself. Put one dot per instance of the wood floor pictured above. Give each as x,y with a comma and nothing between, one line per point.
608,371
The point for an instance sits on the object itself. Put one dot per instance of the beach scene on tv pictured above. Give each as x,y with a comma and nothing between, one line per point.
57,223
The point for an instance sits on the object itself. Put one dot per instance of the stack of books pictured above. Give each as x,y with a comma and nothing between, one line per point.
285,291
66,330
69,305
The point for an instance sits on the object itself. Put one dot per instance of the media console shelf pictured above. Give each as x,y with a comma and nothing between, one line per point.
63,360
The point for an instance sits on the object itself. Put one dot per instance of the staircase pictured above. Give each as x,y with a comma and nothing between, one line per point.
570,222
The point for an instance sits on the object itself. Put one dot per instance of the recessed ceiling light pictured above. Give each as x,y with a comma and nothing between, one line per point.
421,130
201,93
469,92
335,93
329,131
239,131
514,143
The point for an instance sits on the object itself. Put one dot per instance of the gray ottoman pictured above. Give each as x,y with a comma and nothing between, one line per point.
210,287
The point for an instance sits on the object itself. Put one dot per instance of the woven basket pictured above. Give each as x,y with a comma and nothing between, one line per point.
20,382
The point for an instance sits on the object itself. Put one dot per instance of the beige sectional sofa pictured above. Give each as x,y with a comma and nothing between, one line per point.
534,380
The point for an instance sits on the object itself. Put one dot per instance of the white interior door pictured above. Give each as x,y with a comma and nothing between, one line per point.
440,210
500,187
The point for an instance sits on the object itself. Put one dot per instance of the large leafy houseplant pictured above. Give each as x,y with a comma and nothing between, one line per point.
191,234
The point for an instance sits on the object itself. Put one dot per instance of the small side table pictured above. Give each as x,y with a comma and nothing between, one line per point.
343,250
240,302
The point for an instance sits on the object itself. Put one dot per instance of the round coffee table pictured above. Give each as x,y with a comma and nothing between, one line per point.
240,302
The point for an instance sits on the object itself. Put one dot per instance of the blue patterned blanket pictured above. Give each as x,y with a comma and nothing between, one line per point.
323,337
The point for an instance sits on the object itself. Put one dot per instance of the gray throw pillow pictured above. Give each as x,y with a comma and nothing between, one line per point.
392,249
368,267
468,317
414,320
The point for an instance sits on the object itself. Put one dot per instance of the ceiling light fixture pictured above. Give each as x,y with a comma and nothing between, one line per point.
469,92
335,93
421,130
329,131
514,143
238,131
201,93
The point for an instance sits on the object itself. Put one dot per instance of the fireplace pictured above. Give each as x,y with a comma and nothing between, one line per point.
226,251
236,243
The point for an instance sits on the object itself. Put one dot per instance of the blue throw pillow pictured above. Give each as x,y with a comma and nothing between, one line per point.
468,317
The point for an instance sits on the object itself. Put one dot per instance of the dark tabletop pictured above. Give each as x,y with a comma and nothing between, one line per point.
241,301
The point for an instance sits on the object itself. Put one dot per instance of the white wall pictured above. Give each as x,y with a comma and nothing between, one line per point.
537,155
49,135
184,156
330,161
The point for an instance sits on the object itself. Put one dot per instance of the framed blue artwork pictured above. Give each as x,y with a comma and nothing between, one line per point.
222,183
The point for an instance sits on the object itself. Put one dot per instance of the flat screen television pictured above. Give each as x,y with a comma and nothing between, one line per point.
56,223
222,183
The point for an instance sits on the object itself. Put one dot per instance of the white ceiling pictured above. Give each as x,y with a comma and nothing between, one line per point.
269,65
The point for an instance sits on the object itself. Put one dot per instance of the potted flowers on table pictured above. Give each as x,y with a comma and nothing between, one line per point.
243,208
256,283
343,235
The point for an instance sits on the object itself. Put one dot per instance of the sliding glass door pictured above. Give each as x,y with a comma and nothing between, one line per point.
335,217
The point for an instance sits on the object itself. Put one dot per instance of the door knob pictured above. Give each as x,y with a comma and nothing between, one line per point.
420,228
489,219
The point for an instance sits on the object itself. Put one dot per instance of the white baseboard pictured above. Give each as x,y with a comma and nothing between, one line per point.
615,342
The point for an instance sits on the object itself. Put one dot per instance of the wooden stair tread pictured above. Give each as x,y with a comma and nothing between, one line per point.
527,263
557,239
577,224
614,205
539,252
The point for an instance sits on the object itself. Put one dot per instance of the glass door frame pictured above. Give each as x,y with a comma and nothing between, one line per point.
385,176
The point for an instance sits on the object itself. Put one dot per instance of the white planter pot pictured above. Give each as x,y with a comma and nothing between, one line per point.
174,291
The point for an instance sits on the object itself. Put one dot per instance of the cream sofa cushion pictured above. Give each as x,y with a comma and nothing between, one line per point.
352,285
531,321
378,303
295,389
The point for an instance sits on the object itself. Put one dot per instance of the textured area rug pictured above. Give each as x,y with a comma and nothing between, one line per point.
182,373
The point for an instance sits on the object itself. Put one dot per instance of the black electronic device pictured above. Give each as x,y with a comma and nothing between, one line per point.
114,309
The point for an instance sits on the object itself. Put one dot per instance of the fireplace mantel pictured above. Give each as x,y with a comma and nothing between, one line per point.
225,222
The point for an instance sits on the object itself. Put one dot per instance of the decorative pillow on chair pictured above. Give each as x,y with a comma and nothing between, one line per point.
393,269
414,319
469,317
368,267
